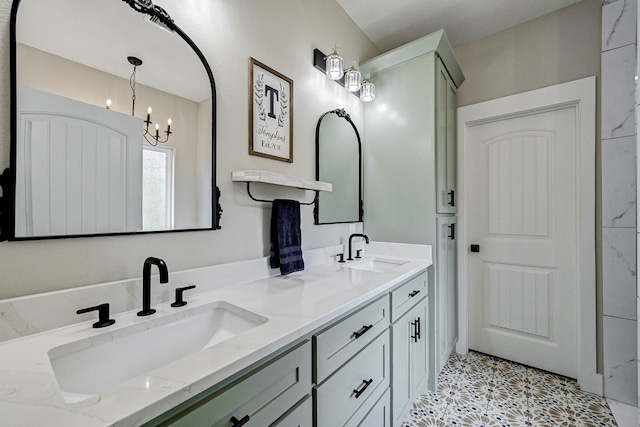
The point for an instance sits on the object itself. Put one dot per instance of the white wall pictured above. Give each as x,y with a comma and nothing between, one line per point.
280,33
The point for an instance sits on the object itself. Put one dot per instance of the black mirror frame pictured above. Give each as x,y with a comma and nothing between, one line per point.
340,112
8,178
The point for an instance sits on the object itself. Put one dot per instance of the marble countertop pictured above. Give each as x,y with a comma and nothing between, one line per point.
295,306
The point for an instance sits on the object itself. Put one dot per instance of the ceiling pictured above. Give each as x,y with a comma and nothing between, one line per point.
390,24
77,30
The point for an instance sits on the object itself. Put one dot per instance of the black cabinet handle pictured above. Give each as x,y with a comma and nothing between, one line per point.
414,293
103,315
418,329
362,331
416,334
239,422
363,388
452,231
452,200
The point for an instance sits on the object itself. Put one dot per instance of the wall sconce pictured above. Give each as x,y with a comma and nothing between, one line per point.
367,90
334,65
351,79
155,139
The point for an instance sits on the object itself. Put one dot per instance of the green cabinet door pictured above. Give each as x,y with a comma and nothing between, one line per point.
401,361
410,359
420,349
446,315
446,153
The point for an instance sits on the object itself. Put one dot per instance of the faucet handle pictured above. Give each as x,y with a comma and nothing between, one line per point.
340,257
179,298
358,253
103,315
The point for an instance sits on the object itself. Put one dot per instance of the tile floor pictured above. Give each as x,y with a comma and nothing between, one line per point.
476,390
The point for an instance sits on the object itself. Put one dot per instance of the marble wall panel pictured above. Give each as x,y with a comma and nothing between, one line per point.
620,360
618,92
619,272
619,182
618,24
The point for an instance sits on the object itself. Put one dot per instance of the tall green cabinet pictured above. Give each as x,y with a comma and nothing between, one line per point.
410,168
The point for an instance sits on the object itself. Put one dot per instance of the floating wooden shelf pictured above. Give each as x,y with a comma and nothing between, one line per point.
280,179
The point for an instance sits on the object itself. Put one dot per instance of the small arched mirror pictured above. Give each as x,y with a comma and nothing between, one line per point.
339,162
113,121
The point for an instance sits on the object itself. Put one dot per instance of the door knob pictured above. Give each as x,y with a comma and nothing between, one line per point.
475,248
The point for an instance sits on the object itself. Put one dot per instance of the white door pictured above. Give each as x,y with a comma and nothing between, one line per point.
522,210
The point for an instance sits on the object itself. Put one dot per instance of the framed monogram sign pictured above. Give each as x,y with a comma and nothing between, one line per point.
271,113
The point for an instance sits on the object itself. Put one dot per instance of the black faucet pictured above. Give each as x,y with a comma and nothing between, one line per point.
366,239
146,283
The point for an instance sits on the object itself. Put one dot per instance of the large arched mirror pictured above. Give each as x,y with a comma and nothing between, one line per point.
113,121
338,161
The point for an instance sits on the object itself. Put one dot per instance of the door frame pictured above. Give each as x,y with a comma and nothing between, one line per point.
580,94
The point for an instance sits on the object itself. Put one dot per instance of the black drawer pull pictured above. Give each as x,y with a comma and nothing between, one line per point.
363,388
416,333
362,331
452,200
239,422
452,232
414,293
418,329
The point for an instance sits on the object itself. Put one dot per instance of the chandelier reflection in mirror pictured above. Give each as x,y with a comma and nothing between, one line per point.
151,138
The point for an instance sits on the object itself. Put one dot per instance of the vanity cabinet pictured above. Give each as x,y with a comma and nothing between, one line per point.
410,165
363,369
261,397
409,345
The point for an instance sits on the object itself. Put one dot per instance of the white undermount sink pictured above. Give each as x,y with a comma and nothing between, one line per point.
377,264
91,365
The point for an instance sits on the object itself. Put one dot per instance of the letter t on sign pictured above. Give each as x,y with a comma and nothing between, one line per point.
270,92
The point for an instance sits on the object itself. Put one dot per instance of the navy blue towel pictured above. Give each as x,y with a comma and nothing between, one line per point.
286,237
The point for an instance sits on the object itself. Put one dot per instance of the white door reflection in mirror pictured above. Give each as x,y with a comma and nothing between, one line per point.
78,167
157,188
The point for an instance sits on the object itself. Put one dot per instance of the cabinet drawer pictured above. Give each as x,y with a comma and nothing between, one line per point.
300,416
407,295
263,396
338,400
379,415
336,345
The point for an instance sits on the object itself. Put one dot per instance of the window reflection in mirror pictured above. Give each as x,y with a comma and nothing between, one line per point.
157,188
338,161
70,61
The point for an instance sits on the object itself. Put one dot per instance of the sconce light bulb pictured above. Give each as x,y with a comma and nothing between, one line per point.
108,103
169,122
157,126
149,110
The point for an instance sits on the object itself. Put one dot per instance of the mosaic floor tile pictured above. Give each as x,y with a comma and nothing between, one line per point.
477,390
